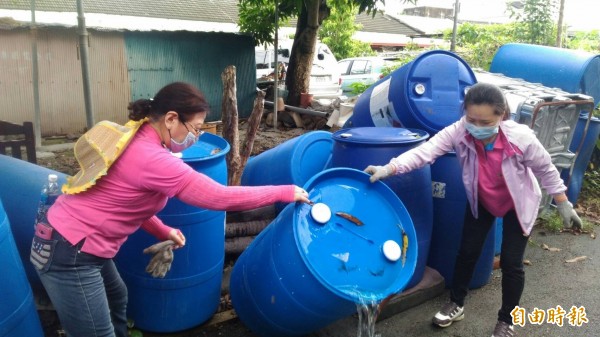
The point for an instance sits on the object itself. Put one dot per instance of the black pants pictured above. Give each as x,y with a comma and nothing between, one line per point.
511,258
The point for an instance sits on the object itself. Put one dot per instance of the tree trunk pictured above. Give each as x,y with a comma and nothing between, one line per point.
298,76
253,124
229,117
561,12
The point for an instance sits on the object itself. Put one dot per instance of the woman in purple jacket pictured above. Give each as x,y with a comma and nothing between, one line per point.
500,160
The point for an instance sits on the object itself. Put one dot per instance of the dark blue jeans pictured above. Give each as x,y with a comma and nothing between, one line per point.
86,291
511,258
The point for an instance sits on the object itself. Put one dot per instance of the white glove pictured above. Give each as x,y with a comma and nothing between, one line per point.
568,215
378,172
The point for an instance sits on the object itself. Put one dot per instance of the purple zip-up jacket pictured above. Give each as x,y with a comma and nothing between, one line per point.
523,160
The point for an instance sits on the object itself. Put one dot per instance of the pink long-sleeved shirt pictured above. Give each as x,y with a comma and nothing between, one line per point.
136,187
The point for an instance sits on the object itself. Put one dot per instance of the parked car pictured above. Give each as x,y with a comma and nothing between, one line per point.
366,70
324,77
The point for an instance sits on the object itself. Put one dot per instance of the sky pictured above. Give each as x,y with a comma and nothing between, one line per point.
578,14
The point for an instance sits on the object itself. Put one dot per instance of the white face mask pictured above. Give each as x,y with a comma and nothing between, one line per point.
481,132
189,140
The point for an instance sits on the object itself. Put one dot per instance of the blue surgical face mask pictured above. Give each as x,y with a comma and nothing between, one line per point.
189,140
481,132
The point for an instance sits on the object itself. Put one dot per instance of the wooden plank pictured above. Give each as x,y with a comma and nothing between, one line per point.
221,317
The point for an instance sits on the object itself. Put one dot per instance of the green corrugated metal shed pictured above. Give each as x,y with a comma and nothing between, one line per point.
155,59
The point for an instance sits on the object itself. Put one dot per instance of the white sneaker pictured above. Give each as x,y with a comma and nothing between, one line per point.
449,313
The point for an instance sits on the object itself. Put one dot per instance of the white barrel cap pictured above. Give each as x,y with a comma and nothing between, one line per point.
320,212
52,177
391,250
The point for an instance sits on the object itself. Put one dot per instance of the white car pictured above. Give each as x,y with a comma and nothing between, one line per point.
325,80
366,70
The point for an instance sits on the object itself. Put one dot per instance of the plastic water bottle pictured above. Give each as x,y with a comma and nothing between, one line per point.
50,192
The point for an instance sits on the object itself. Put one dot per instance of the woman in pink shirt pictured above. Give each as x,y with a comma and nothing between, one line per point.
500,160
89,227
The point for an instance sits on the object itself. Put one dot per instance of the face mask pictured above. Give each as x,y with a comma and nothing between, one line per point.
189,140
481,132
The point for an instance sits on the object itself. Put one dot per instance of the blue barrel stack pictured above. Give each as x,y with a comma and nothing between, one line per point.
300,274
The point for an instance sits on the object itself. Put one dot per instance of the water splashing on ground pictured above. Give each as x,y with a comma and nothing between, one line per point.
367,317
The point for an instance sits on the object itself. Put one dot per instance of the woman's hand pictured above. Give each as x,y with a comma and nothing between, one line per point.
568,215
301,195
378,172
176,236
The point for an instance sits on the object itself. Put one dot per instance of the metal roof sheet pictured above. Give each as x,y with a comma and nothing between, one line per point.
197,10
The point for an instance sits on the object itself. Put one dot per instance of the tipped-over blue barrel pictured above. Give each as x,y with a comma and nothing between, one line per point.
583,144
20,187
571,70
426,93
449,206
294,161
191,291
312,264
18,315
362,146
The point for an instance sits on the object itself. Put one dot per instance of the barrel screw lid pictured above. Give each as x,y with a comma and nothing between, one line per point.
320,212
420,89
391,250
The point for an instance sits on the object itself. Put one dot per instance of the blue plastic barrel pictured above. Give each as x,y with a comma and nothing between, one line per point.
583,143
21,183
18,315
362,146
426,93
300,275
449,205
293,162
573,71
190,292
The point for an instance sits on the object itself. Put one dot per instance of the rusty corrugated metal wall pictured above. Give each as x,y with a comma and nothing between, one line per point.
157,58
123,67
60,82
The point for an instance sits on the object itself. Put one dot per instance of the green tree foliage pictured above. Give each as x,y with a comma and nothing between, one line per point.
477,44
257,17
337,32
539,21
588,41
